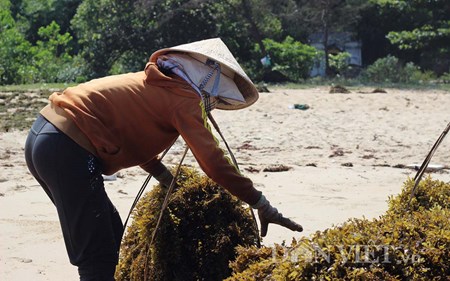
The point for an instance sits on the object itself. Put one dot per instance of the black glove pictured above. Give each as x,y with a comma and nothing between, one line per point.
268,214
165,178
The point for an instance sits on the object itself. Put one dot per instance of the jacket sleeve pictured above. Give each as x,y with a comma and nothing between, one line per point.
191,122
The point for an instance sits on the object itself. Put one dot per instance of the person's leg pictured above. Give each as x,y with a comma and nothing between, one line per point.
91,226
31,139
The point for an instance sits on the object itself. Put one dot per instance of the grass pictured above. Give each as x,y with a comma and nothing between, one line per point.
34,87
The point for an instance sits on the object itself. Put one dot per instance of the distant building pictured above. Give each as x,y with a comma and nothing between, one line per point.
337,42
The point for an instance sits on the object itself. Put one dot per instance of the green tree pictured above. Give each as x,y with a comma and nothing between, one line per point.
328,16
414,31
119,35
291,58
429,32
244,23
33,14
22,62
14,51
48,58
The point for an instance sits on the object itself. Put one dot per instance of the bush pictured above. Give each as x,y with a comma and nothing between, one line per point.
390,70
197,236
339,63
445,78
403,244
291,58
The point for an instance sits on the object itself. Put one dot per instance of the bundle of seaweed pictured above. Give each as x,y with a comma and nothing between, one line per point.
409,242
197,238
339,89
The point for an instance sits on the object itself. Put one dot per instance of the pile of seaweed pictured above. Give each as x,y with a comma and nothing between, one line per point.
411,241
197,237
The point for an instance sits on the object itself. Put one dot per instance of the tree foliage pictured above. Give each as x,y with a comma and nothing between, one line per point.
46,59
413,30
292,58
85,39
14,48
328,16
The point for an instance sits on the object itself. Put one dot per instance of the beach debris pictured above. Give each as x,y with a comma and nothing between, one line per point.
348,164
337,152
381,165
430,167
196,239
247,146
311,165
369,156
6,154
339,89
262,88
379,90
313,147
252,169
299,106
277,168
112,177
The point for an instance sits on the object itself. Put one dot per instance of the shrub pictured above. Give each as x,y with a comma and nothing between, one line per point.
339,63
390,70
291,58
197,236
403,244
445,78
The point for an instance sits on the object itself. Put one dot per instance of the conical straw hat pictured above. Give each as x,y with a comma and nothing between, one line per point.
216,50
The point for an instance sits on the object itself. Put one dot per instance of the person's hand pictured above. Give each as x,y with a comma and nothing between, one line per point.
268,214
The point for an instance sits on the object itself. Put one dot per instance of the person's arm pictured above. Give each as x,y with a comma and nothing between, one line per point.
192,125
159,171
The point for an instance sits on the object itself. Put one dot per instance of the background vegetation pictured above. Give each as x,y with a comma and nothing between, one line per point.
76,40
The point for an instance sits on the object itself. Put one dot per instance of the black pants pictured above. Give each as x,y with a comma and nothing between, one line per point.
72,178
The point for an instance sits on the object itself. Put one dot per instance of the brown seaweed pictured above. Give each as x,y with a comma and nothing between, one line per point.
200,229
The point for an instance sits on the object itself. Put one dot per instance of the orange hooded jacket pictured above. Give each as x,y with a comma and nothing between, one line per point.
127,120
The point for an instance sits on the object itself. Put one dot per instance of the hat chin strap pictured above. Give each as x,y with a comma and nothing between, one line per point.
215,88
210,100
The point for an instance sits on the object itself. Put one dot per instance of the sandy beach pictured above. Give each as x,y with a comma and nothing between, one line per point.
345,154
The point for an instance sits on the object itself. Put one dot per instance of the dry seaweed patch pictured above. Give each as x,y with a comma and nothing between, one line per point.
19,109
197,237
400,245
339,89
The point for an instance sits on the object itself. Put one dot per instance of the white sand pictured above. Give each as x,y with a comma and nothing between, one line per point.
373,132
